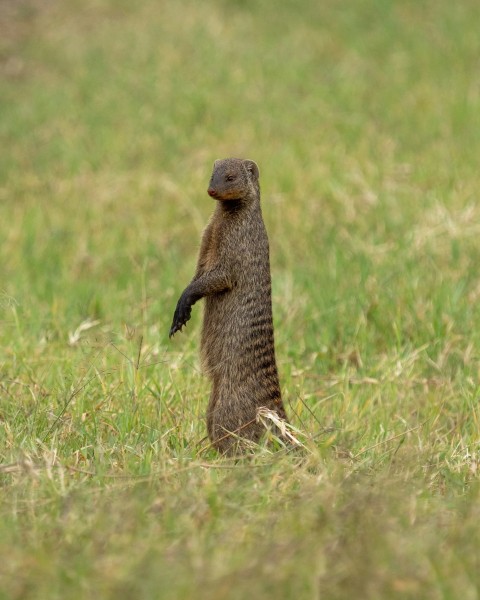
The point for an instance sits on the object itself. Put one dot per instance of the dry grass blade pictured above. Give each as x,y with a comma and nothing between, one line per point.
268,417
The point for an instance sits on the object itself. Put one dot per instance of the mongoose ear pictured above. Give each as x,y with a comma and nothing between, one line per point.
252,167
216,163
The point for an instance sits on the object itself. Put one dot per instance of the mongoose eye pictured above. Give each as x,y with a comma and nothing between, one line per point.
230,177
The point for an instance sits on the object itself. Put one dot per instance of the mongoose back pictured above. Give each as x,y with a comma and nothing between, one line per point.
233,274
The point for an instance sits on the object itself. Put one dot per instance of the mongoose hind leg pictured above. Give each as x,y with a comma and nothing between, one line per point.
230,428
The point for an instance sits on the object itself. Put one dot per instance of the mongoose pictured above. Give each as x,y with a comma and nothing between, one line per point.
233,274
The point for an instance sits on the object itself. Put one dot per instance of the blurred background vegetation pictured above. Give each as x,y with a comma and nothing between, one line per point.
364,120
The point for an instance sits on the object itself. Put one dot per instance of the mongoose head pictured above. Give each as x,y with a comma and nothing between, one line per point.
234,179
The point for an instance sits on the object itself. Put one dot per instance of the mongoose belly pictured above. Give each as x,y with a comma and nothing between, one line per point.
239,356
236,334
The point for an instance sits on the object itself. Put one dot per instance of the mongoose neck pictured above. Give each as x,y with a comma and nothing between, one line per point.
239,205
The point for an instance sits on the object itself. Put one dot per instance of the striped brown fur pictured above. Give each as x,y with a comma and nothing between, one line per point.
233,274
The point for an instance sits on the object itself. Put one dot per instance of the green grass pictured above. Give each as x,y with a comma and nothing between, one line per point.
364,119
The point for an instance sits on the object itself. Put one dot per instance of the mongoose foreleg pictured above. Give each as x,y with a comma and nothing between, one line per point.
211,282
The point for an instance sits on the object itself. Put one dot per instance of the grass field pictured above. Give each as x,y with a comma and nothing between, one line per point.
365,121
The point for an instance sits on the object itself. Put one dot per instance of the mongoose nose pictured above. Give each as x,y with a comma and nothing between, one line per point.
212,192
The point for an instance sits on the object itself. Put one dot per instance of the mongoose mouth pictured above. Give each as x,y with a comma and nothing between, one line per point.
225,198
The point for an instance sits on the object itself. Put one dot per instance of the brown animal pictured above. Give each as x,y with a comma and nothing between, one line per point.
233,274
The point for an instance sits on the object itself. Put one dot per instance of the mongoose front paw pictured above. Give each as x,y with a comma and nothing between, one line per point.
181,316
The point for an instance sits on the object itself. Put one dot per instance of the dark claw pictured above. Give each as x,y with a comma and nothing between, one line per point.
174,328
181,316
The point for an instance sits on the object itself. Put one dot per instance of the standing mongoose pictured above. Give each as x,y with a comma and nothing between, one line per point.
233,274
